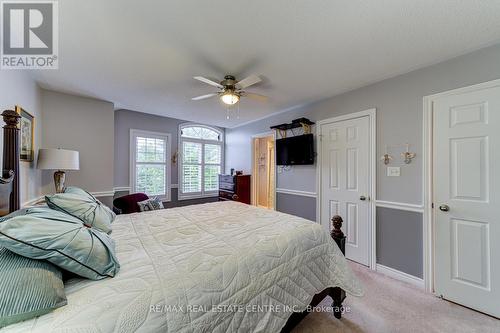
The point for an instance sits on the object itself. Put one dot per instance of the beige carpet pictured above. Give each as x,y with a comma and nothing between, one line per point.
393,306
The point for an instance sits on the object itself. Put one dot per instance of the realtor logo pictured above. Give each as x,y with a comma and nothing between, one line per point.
29,34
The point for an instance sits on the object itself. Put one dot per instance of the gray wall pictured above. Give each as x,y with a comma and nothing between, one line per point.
82,124
399,235
399,120
126,120
18,88
296,205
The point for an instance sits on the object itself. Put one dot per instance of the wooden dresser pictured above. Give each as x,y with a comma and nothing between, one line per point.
236,188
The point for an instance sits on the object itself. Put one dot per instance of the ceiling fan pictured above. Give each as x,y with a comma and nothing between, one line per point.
231,90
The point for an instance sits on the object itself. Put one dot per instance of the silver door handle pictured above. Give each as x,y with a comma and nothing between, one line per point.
444,208
362,198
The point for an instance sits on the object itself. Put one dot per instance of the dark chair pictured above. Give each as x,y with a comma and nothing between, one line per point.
128,203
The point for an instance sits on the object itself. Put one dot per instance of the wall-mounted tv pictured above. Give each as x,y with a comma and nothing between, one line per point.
295,150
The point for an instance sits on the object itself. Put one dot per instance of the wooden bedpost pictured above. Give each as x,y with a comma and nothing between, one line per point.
338,294
337,234
11,154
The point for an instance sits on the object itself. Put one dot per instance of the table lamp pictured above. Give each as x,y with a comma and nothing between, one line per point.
58,159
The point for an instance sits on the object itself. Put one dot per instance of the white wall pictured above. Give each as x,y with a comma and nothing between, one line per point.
82,124
18,88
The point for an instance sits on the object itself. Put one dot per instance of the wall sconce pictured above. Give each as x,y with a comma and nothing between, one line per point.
386,157
174,157
407,156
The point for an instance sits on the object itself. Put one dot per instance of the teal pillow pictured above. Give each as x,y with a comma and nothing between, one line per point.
28,288
19,212
83,205
62,239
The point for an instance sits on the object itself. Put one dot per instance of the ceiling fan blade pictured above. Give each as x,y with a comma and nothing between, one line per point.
208,81
249,81
204,97
257,97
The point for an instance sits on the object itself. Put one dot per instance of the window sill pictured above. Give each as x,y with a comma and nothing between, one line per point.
162,198
191,197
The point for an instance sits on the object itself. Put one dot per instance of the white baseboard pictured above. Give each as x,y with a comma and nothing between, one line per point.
401,276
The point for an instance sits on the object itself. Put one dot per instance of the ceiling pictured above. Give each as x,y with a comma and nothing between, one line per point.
142,55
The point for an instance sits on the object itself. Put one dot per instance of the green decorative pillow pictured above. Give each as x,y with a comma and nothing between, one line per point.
83,205
28,288
155,204
150,204
143,205
62,239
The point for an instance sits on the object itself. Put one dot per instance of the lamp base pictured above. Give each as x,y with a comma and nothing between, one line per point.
59,178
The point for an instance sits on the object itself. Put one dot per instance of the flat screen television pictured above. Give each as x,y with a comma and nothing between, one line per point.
295,150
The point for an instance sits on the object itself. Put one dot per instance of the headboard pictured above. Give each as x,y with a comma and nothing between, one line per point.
9,182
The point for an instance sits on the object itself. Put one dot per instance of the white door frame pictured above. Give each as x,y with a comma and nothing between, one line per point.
428,172
253,197
372,182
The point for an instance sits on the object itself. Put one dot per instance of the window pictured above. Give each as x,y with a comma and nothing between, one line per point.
149,168
200,161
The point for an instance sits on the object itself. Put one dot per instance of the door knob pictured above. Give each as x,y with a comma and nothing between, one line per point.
444,208
362,198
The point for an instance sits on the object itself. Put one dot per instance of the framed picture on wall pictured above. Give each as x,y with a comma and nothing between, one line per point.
27,129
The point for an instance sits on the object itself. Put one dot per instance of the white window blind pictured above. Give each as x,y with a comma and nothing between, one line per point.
149,169
201,149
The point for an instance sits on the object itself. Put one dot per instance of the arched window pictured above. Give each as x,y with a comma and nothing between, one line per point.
201,156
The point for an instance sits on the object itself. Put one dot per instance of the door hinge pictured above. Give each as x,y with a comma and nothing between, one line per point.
432,205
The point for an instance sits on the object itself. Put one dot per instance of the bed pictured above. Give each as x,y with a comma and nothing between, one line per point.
219,267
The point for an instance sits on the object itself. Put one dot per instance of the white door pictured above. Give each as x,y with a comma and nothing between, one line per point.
345,160
467,198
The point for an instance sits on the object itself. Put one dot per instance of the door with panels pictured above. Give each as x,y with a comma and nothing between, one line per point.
344,177
466,178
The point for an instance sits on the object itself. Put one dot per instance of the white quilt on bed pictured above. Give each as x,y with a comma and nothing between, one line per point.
220,267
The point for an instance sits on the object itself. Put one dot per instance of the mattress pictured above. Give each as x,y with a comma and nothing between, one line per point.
218,267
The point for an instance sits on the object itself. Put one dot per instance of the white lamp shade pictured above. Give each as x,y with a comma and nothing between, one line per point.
58,159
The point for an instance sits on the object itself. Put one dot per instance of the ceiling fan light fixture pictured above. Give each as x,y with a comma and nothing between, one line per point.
230,98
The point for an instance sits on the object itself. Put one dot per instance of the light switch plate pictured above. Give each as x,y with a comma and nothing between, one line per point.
393,171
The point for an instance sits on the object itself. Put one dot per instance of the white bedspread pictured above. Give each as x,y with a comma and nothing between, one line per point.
204,268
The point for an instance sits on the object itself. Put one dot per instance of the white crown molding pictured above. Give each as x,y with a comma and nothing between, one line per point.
401,276
297,192
400,206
